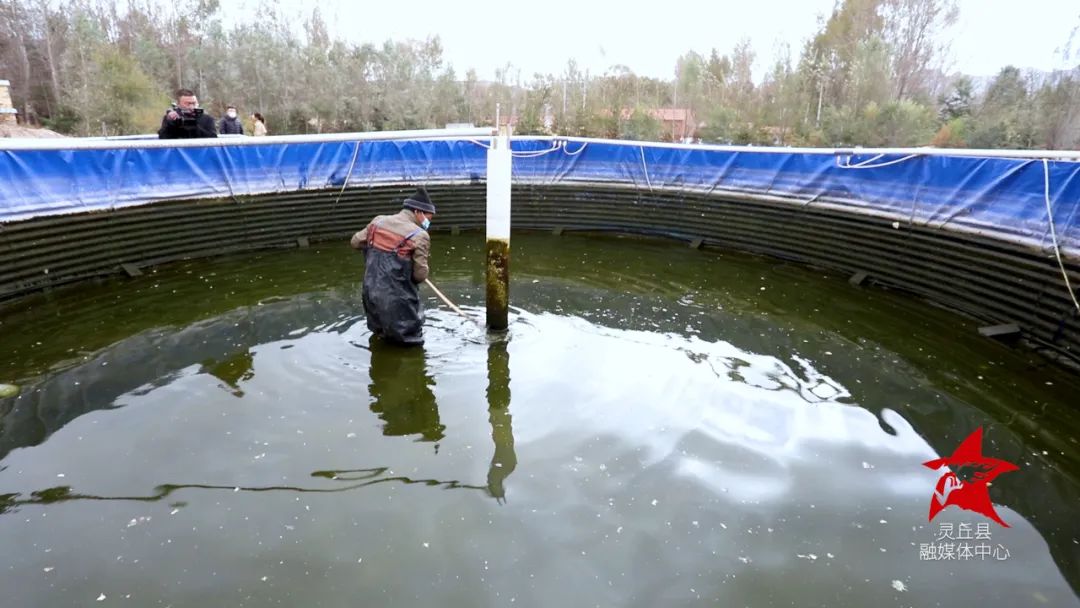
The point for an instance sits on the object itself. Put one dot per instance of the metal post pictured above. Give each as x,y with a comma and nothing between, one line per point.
499,165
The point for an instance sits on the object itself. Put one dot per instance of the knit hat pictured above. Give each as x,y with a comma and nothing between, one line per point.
420,201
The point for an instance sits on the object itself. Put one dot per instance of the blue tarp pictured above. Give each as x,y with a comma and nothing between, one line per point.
995,196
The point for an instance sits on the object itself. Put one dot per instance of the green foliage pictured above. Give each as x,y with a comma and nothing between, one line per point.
640,126
63,120
602,124
718,125
905,124
1058,111
129,102
959,102
1006,118
953,134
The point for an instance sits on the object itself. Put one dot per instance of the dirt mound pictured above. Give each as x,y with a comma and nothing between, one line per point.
7,130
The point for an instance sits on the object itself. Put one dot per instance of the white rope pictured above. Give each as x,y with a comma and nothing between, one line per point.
344,184
556,146
352,164
559,144
645,167
865,164
1053,232
533,153
579,150
867,161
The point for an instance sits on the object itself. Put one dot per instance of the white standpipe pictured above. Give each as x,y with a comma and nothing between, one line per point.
499,163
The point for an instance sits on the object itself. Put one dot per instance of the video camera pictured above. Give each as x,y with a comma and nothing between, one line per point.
187,117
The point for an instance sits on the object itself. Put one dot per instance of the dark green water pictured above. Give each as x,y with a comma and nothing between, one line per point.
660,426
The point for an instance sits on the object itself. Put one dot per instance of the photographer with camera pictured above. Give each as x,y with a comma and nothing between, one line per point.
186,119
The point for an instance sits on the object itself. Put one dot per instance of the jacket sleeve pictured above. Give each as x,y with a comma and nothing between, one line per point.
166,130
359,240
206,126
420,257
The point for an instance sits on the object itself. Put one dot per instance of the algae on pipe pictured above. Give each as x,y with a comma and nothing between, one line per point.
499,162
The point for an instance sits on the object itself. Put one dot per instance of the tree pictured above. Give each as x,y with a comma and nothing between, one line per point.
641,126
958,103
781,99
1058,101
720,123
904,123
123,85
16,59
1005,118
913,31
871,74
953,134
82,73
690,81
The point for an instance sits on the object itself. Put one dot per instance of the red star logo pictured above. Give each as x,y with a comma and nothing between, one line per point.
973,493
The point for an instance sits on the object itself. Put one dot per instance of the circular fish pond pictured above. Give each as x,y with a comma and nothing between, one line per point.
659,426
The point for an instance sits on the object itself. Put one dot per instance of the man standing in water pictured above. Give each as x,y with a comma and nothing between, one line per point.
396,251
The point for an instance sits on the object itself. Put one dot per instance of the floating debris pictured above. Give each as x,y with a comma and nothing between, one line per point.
899,586
9,390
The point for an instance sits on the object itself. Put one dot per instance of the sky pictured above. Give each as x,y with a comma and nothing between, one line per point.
541,35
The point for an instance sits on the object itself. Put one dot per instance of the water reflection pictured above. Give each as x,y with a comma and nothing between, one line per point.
504,460
352,479
232,370
221,346
401,391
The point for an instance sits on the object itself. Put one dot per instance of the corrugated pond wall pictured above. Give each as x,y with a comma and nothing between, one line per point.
993,281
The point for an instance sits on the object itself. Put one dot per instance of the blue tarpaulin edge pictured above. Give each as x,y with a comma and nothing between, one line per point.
998,197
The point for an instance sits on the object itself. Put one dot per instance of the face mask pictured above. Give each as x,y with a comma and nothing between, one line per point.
231,114
424,224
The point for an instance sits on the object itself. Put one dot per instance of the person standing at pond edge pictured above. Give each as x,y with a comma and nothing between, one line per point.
185,119
396,249
231,125
260,125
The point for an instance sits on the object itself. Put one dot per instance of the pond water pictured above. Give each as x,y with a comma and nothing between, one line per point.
659,426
